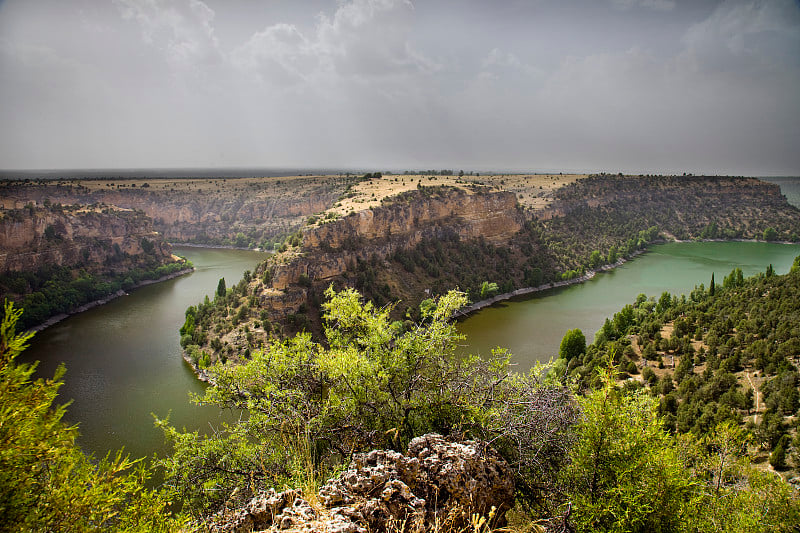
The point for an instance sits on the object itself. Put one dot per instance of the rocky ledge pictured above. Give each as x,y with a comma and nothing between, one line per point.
437,485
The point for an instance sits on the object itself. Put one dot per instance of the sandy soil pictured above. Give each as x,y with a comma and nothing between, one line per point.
532,190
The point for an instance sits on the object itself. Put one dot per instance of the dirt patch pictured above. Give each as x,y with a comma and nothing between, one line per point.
533,191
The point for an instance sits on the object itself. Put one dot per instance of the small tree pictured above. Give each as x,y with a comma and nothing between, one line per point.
770,234
221,289
625,474
311,405
572,345
488,289
46,482
778,457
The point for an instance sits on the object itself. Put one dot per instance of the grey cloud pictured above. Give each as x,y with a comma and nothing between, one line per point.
659,5
387,83
183,29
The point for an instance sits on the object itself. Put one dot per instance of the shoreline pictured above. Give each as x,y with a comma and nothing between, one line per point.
53,320
199,373
477,306
217,247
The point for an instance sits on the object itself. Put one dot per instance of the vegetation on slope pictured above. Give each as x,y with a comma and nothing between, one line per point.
589,223
66,257
599,462
728,353
46,481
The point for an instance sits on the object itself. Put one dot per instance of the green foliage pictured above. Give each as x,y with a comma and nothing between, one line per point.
628,474
147,246
488,289
747,326
370,385
778,457
55,290
625,473
46,482
221,288
573,345
770,234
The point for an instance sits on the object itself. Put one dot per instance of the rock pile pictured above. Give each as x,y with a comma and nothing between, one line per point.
437,484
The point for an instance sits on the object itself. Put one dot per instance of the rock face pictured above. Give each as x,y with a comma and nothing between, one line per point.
329,250
436,484
38,237
205,211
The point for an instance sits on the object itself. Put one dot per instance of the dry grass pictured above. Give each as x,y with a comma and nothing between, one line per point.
195,185
533,190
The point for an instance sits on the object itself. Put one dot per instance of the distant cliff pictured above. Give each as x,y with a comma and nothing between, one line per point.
286,289
422,243
242,212
92,239
54,260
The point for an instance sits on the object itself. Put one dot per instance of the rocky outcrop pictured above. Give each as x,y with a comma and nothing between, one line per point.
33,238
437,485
203,211
683,205
400,224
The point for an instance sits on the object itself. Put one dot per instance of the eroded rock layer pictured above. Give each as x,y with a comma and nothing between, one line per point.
436,483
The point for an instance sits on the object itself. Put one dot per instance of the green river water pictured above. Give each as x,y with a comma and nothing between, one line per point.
532,328
124,360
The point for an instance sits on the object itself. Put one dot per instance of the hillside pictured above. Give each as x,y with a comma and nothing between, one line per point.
55,259
730,352
425,241
242,212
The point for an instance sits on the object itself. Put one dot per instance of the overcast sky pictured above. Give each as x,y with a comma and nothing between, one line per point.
567,85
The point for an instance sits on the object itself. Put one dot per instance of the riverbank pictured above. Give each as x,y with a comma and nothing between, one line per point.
477,306
101,301
218,247
464,312
201,374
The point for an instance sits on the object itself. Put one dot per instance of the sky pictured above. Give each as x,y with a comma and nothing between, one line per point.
635,86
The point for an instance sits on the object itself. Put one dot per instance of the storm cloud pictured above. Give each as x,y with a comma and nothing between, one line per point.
571,85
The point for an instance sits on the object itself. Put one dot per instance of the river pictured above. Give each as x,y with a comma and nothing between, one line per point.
124,360
532,328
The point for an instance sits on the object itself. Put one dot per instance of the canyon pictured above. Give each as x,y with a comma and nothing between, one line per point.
422,242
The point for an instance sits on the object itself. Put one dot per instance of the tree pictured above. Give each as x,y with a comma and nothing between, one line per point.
488,289
221,289
46,482
595,259
770,234
572,345
625,472
312,405
712,288
778,457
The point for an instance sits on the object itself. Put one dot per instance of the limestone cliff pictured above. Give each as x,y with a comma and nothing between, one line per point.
34,238
55,261
286,289
401,223
422,243
240,212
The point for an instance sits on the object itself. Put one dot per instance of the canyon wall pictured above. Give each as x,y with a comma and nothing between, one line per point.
240,212
401,223
34,238
422,243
